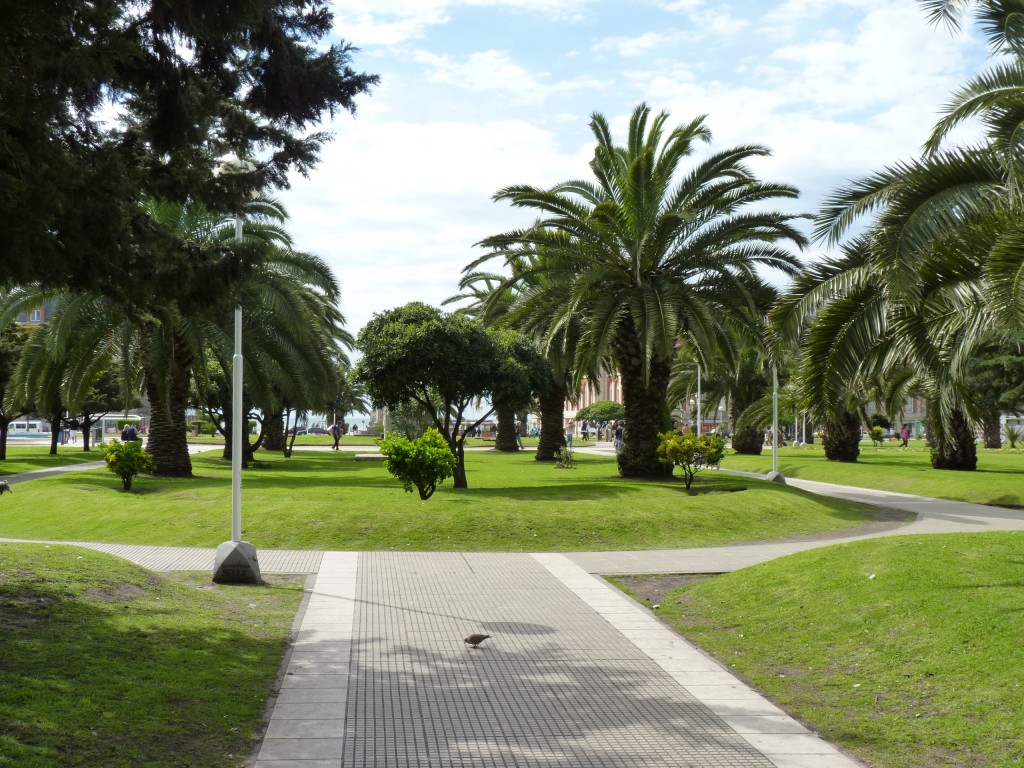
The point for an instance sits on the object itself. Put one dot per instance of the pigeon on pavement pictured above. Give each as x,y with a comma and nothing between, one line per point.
473,641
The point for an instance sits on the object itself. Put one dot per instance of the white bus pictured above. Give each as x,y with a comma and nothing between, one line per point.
29,428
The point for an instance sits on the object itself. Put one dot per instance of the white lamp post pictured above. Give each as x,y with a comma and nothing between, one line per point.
236,560
700,421
775,476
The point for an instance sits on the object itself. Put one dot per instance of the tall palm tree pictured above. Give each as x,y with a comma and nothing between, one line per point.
647,253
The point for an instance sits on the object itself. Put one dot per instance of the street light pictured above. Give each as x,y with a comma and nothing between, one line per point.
236,560
775,476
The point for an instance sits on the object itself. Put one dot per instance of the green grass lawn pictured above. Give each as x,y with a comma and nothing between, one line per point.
25,458
998,480
319,499
107,665
906,651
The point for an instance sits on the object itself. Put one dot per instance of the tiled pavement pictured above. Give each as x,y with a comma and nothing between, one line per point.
575,675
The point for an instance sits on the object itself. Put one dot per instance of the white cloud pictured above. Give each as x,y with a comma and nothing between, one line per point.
497,72
393,22
636,45
718,23
395,208
673,6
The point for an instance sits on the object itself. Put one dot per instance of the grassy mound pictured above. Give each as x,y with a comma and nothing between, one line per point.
319,499
108,665
906,651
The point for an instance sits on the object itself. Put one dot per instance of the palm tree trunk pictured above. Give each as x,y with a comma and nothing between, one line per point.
55,421
273,429
841,440
552,417
168,441
645,405
957,449
506,439
749,440
992,430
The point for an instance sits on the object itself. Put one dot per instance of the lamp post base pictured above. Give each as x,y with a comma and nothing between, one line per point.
775,477
236,563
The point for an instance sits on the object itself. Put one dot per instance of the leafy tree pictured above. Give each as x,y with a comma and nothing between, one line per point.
194,81
994,380
126,460
522,373
411,419
416,352
691,452
528,300
646,253
424,462
106,394
602,410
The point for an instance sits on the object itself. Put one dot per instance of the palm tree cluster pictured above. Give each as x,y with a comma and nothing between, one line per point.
934,267
620,270
177,349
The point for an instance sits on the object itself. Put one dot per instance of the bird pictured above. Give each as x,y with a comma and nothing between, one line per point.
473,641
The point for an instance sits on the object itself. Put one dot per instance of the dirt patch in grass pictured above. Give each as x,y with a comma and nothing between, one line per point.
121,593
650,589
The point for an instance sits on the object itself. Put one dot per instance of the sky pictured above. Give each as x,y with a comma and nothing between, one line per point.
477,95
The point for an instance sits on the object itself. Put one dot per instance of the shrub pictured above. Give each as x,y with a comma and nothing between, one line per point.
1012,434
877,435
690,452
126,460
564,458
423,462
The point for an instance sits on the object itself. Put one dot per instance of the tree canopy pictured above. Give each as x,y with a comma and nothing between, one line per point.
105,104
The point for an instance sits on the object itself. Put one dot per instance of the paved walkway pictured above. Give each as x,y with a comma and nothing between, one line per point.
575,673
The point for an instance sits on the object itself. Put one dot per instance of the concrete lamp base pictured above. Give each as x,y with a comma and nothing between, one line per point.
775,477
236,563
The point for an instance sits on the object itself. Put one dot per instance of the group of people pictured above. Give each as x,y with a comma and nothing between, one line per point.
608,429
130,433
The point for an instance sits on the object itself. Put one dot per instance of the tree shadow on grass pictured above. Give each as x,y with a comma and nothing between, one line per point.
97,679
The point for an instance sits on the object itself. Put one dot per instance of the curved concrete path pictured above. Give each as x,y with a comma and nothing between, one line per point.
575,673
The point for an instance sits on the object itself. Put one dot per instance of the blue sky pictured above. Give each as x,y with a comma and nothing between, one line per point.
476,95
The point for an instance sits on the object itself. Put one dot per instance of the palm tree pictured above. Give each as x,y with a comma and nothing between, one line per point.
293,327
647,253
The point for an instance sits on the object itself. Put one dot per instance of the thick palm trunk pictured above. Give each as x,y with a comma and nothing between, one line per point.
749,440
168,432
552,418
841,440
506,438
992,430
646,409
273,431
958,450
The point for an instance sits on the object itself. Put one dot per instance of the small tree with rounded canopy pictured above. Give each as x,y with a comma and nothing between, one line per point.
416,352
423,462
602,410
